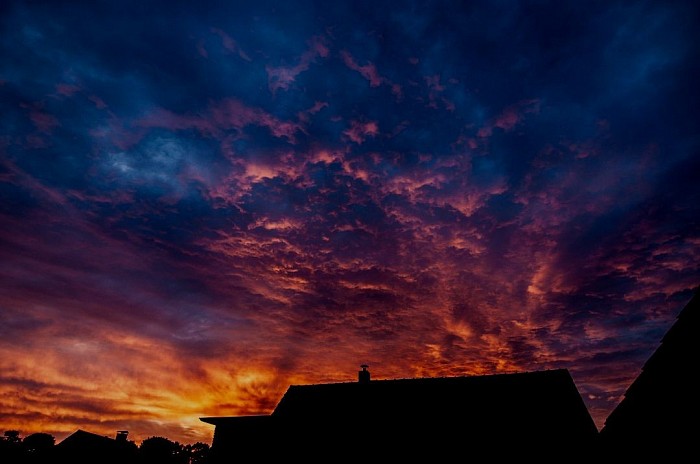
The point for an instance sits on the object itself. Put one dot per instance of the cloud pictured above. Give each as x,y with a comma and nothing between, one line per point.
229,44
359,131
510,117
368,71
66,90
282,77
305,115
43,122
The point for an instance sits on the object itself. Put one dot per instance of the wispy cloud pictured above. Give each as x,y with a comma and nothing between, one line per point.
281,77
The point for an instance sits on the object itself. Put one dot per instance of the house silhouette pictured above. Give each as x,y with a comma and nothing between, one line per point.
658,416
530,414
87,447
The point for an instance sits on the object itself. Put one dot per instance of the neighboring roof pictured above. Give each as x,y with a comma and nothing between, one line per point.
661,405
83,447
81,438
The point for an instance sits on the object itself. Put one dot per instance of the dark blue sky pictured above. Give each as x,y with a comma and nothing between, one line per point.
201,203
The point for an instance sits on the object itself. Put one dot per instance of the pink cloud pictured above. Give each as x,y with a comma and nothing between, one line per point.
433,83
35,141
318,106
43,122
485,131
464,140
435,89
229,44
99,103
220,116
281,77
583,150
226,40
305,114
67,90
510,117
359,131
319,47
231,113
17,176
368,71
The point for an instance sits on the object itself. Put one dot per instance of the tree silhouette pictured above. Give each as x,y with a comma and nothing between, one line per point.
88,448
197,453
38,447
38,442
11,447
11,436
161,450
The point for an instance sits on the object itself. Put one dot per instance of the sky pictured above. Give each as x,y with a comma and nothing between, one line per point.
202,203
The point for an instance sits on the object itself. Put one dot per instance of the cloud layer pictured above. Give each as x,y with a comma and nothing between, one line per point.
201,206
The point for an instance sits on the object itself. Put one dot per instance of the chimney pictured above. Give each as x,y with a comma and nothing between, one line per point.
363,375
121,435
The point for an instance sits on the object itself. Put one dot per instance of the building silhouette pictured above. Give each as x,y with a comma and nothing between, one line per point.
659,413
531,414
87,447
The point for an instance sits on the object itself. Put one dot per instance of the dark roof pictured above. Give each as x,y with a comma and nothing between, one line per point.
543,401
404,418
662,402
83,447
233,420
81,439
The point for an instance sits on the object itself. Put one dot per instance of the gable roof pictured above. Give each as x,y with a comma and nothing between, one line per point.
83,447
544,400
81,439
532,413
663,399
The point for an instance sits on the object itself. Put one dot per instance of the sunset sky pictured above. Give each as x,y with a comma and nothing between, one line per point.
204,202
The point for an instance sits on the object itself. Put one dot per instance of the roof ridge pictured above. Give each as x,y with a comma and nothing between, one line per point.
470,376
